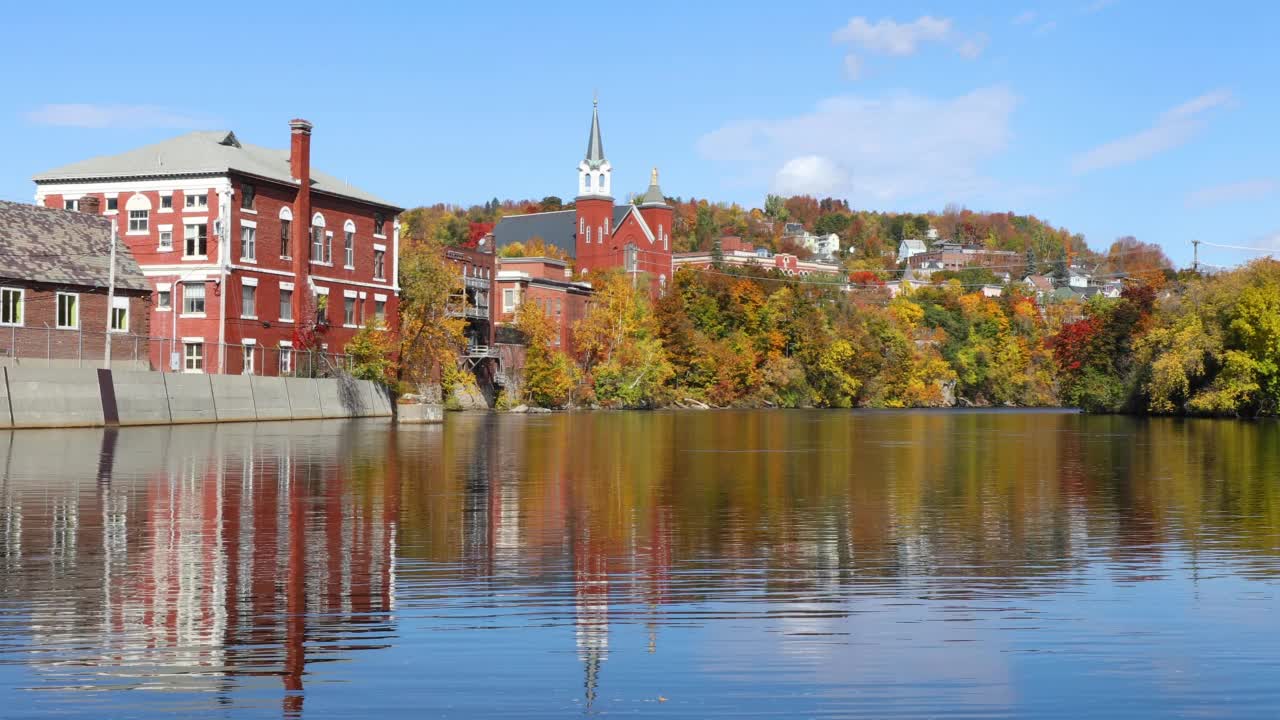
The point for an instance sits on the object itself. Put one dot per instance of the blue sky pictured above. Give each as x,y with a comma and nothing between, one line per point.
1109,118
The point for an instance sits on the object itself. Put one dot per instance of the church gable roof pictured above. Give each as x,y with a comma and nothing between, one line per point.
555,228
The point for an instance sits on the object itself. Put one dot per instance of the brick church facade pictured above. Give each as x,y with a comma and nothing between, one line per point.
598,234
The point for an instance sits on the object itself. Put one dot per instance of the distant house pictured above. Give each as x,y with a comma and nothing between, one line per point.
992,291
54,284
1078,278
909,247
1041,284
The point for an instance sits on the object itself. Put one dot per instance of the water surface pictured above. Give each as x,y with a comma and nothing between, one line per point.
724,564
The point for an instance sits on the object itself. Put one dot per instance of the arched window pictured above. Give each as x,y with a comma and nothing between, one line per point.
286,232
630,258
662,236
582,225
349,243
317,238
588,236
606,226
600,232
139,209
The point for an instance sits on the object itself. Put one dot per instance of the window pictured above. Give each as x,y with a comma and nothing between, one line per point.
349,311
68,310
328,248
248,243
606,226
629,258
248,301
119,314
662,236
138,221
317,244
11,306
70,204
509,300
286,303
349,245
164,299
286,232
378,221
166,202
557,306
248,359
113,203
247,196
193,298
193,353
197,201
166,240
139,208
380,310
588,236
286,358
379,264
196,237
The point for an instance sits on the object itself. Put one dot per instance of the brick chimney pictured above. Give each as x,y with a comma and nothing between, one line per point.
300,169
90,204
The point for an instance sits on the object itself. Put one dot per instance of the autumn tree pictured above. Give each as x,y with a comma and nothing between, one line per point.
622,356
430,336
548,377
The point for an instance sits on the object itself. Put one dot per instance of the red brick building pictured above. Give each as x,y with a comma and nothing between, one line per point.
252,256
54,295
549,284
597,234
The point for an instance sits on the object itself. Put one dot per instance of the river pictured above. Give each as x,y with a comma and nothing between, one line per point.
667,564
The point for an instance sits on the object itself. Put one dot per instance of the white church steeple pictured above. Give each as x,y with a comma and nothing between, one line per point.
594,172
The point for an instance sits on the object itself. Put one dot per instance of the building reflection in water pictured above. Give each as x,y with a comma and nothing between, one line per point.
199,558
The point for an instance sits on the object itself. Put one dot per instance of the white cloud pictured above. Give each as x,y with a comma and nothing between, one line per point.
872,150
1026,17
1046,28
888,37
86,115
1173,128
1232,192
852,67
892,38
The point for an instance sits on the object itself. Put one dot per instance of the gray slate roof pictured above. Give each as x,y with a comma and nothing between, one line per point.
595,146
64,247
202,153
555,228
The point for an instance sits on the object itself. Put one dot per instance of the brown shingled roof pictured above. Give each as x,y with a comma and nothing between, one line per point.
63,247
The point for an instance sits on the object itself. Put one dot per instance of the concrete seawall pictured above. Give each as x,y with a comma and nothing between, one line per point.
71,397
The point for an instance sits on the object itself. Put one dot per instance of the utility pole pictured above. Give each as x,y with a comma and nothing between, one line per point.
1195,255
111,295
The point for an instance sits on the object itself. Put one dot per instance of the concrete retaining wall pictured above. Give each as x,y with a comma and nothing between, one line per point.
54,398
75,397
304,398
270,398
141,398
233,398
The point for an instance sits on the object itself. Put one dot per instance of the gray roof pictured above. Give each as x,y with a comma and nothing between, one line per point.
63,247
653,196
555,228
595,146
915,245
202,153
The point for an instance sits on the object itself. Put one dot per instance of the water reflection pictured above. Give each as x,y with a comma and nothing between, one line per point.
718,564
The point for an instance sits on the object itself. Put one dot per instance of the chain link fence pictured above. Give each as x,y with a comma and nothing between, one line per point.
62,348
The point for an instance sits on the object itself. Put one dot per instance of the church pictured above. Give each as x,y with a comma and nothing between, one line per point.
598,234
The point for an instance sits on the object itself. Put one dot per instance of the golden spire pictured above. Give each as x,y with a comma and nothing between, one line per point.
653,179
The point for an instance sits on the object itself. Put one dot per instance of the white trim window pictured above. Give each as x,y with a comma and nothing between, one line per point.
248,300
349,245
195,240
164,297
68,311
195,201
192,355
510,300
349,311
120,314
71,204
286,357
11,306
248,243
166,238
380,309
166,202
139,209
379,264
193,294
286,303
247,360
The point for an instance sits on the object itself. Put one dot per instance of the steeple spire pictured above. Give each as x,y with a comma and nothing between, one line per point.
595,147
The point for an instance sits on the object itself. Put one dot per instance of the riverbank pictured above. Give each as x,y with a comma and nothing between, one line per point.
87,397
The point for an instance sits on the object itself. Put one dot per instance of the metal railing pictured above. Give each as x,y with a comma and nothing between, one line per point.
67,347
